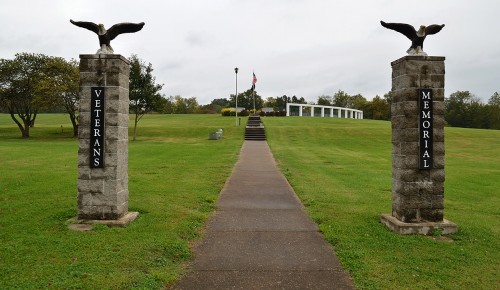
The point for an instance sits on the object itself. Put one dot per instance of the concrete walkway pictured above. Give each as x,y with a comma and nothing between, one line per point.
260,236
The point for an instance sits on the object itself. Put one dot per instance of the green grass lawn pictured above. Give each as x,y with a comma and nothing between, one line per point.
175,175
340,168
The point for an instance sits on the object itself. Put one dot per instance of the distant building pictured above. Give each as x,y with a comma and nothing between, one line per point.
267,110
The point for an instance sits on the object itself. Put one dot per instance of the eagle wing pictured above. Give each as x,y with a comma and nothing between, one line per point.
406,29
433,29
125,27
88,25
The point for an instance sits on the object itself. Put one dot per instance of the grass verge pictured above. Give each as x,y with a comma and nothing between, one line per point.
341,170
175,175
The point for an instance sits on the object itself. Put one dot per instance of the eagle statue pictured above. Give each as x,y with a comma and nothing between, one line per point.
417,37
105,36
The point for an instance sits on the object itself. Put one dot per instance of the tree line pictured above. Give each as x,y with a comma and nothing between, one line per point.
462,108
35,83
379,108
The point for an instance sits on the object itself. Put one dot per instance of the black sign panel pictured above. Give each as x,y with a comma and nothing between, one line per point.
425,128
97,127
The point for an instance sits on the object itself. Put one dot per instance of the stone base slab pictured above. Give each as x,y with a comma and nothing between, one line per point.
423,228
122,222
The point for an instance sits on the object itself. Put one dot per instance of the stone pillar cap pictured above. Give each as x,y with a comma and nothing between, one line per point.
418,57
104,56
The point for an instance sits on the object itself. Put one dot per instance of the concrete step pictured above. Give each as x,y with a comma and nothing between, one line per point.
254,130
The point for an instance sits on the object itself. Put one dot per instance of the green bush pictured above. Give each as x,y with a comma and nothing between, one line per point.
226,112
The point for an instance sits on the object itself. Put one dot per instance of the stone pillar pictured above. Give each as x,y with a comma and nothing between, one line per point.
417,191
300,110
103,184
322,111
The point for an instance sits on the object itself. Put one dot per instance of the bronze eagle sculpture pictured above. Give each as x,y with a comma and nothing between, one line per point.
105,36
417,37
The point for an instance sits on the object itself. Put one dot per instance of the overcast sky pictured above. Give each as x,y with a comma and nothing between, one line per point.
305,48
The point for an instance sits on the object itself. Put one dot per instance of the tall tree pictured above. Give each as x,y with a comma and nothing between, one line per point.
281,102
191,105
245,100
270,102
358,102
144,93
166,105
324,100
381,110
341,99
388,97
296,100
180,106
462,107
494,99
185,105
20,88
61,86
223,102
494,111
388,101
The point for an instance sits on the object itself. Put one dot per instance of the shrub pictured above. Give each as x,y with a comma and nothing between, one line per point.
226,112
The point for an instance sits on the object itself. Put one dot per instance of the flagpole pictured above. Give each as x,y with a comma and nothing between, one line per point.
236,95
254,80
253,94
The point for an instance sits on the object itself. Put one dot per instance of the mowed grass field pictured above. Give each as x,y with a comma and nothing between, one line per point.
341,170
175,175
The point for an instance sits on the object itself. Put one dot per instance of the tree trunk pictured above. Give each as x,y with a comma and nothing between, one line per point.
27,125
25,133
75,125
32,121
135,127
75,130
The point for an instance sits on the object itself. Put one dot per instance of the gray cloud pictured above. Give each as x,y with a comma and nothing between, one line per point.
304,48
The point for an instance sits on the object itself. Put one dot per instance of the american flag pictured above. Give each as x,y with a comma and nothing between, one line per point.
254,80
